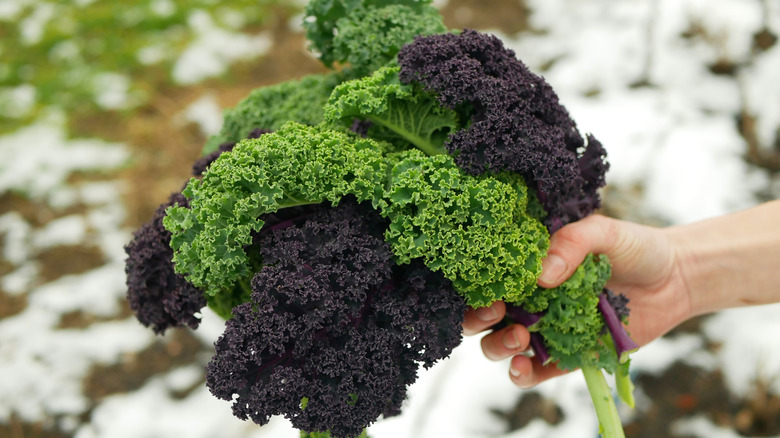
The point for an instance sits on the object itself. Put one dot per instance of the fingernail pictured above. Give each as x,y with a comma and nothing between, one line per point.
510,340
514,372
486,313
553,267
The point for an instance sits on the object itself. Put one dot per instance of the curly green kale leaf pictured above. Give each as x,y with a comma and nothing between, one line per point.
572,325
367,34
398,113
297,165
272,106
475,230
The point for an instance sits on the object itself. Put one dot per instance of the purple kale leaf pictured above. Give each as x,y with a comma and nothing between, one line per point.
517,123
159,297
334,331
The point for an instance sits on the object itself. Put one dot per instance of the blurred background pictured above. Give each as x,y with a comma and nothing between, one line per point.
104,105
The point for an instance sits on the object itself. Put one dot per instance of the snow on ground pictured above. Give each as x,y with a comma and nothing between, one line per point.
626,74
214,50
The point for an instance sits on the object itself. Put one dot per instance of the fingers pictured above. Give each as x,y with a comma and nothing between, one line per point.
526,372
507,342
570,245
478,320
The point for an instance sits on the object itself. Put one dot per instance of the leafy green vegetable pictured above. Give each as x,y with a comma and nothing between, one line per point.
271,107
398,112
367,34
474,229
572,323
369,38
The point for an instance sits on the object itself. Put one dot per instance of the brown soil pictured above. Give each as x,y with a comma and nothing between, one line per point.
16,428
510,17
684,391
530,406
64,260
36,213
11,304
180,347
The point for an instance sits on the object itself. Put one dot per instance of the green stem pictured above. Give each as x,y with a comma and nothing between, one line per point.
606,411
624,385
246,286
419,142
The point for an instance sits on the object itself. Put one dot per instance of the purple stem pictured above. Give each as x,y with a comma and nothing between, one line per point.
282,225
528,319
624,345
537,344
524,317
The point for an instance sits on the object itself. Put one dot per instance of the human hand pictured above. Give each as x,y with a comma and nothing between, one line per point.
645,268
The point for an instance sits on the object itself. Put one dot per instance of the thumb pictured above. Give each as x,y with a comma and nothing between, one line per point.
571,244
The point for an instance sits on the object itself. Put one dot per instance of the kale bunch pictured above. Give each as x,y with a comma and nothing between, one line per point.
343,247
334,331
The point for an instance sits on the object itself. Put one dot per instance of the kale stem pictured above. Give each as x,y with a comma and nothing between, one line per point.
418,142
245,285
623,383
606,411
625,387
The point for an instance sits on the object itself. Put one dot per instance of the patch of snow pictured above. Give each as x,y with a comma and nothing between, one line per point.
658,355
702,427
17,102
728,24
162,8
32,26
762,94
214,50
701,157
232,18
48,365
100,192
65,51
748,348
68,230
38,159
676,138
10,9
98,291
154,54
19,280
199,415
183,378
17,235
206,113
112,91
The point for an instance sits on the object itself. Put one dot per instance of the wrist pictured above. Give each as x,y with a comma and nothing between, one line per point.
691,272
730,261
